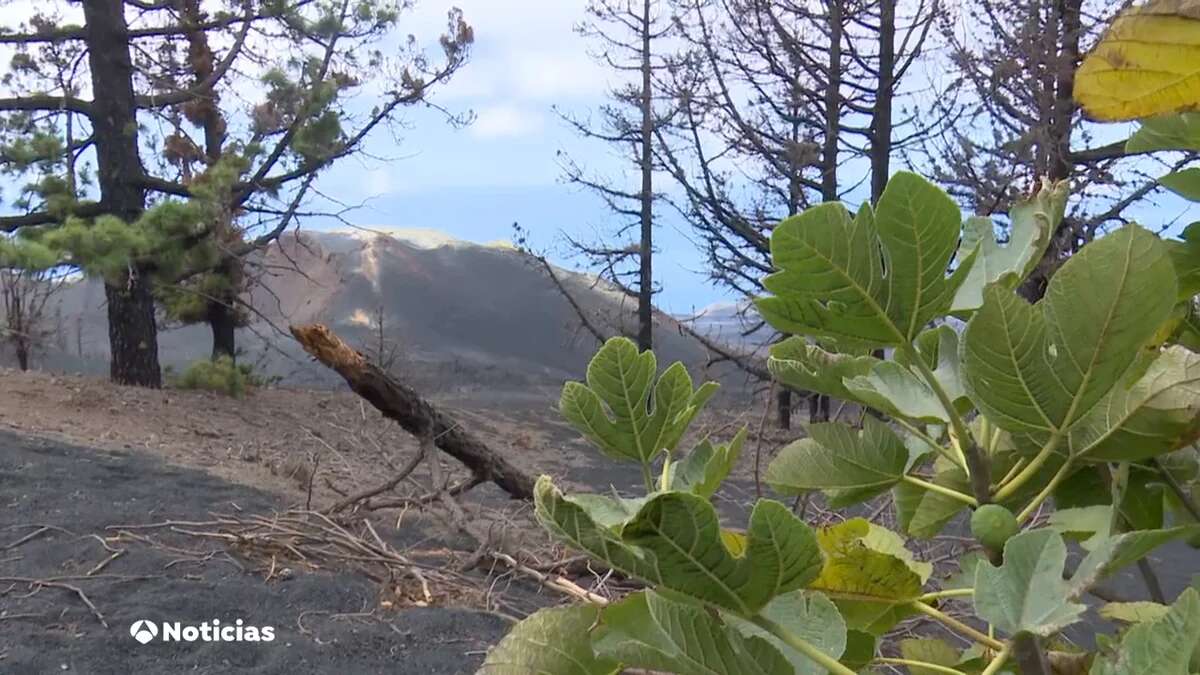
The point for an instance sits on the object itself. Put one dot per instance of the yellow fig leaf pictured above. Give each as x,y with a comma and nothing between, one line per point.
869,575
735,541
1133,612
1147,63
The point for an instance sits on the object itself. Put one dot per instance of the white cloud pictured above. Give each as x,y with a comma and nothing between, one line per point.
524,49
506,120
552,76
379,182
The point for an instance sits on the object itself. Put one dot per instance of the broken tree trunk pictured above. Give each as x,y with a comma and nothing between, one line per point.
416,415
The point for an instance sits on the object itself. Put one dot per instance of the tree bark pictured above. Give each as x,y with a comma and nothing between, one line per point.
783,403
22,350
416,415
132,331
818,410
646,276
222,319
881,117
1056,157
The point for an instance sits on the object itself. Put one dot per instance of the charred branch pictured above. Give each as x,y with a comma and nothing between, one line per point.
415,415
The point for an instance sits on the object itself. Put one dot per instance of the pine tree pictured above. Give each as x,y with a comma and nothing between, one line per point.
626,35
145,135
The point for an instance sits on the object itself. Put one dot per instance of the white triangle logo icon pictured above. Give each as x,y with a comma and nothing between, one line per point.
143,630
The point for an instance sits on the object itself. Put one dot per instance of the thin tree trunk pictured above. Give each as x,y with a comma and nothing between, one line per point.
1056,153
833,106
222,319
22,350
132,332
1063,111
881,118
818,405
783,402
646,279
881,114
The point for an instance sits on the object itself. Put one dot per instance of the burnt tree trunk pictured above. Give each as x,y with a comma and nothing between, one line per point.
22,350
416,415
818,405
132,332
881,115
222,319
646,254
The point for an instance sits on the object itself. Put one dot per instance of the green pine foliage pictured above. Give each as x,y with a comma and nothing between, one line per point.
222,376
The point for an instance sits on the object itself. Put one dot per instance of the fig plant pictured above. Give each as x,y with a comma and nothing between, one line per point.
1071,419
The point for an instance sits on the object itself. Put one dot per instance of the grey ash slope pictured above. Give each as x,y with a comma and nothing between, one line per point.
466,314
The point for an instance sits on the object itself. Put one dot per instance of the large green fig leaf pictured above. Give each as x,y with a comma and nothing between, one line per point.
616,409
647,630
609,512
551,642
1185,183
1110,554
898,391
836,456
923,513
1133,612
1180,131
1040,368
570,521
869,575
929,650
938,347
1027,592
1185,255
812,617
804,367
1144,416
832,281
682,533
675,541
1092,523
1162,646
705,467
1033,222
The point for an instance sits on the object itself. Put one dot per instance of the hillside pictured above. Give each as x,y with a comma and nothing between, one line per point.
462,314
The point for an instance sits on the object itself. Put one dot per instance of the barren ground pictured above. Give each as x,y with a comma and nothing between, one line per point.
189,505
85,466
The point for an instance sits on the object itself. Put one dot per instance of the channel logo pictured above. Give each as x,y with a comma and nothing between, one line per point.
143,631
146,631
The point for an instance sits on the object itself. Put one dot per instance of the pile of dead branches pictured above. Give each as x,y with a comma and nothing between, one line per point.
279,545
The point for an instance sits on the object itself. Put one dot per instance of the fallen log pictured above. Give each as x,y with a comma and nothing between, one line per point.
417,416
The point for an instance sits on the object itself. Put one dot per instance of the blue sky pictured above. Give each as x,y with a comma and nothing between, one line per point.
473,183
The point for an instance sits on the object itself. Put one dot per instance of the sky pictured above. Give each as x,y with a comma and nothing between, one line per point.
475,182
